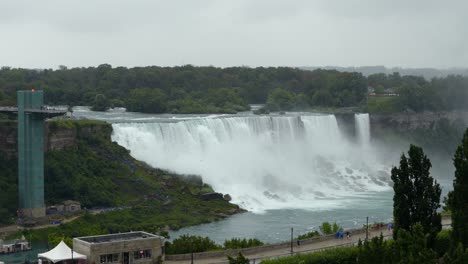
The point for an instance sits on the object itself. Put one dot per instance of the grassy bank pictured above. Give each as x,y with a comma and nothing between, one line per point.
99,173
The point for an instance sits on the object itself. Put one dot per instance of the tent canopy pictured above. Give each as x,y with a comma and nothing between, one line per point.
61,252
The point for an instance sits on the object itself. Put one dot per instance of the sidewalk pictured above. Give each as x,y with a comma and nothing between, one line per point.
313,246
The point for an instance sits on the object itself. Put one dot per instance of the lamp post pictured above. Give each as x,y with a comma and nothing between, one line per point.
367,227
292,241
191,255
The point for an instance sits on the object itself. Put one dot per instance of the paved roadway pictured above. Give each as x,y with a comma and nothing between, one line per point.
315,246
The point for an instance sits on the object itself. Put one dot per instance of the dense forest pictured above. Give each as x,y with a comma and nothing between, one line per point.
190,89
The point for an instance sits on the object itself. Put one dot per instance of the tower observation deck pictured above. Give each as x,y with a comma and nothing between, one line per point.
31,115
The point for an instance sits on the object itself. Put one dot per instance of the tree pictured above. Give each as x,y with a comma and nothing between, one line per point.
100,103
379,89
327,229
240,259
280,99
417,194
412,247
458,198
147,100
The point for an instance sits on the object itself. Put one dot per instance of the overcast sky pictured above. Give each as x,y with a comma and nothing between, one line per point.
406,33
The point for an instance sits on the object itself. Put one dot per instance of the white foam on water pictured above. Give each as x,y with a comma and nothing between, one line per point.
264,162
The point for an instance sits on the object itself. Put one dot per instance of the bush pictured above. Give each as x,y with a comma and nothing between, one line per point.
240,259
188,244
442,242
327,229
308,235
236,243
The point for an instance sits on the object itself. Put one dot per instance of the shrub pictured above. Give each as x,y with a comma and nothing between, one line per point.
442,242
308,235
240,259
188,244
236,243
327,229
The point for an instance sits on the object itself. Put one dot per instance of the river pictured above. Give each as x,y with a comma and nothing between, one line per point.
289,171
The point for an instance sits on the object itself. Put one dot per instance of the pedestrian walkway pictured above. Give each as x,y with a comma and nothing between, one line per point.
318,245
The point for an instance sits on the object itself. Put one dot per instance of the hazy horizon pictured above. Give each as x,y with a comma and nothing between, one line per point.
223,33
55,67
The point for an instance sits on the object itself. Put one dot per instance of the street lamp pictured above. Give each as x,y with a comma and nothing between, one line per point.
367,227
292,241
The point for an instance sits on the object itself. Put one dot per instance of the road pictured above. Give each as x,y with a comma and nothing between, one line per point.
285,251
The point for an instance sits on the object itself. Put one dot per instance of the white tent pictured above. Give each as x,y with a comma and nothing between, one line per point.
61,252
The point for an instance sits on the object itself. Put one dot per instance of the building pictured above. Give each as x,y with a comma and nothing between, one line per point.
12,246
71,206
132,247
68,206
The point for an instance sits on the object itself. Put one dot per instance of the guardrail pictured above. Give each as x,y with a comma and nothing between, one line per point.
254,250
283,245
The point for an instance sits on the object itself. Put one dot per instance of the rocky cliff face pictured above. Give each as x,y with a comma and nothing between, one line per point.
58,134
8,138
404,122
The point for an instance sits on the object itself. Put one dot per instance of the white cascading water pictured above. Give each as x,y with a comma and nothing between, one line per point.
362,128
263,162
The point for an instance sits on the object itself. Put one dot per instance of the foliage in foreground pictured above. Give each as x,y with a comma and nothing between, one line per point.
408,248
345,255
458,198
417,195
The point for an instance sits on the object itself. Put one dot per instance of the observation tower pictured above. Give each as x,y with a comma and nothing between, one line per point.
31,116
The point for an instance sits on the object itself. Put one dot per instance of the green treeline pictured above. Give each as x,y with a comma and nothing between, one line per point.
411,93
190,89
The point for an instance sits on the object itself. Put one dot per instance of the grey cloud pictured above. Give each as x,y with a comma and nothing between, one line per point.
234,32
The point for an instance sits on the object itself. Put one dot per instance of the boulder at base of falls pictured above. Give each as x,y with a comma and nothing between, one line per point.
212,196
227,198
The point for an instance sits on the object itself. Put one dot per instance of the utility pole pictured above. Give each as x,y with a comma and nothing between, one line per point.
191,256
367,228
292,241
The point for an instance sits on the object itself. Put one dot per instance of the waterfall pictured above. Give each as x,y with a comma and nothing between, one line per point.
263,162
362,128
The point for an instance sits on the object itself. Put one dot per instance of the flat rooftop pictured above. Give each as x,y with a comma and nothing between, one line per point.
137,235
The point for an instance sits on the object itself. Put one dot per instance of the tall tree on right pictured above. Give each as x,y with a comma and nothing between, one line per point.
458,198
417,194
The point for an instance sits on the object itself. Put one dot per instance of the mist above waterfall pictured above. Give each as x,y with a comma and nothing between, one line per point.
265,162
